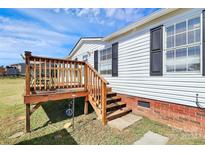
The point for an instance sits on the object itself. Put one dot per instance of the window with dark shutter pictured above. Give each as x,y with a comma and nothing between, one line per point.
203,43
115,59
96,60
156,49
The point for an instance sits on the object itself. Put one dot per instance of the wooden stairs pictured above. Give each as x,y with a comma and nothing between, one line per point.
115,108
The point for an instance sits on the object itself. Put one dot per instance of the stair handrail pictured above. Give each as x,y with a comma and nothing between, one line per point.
101,89
102,78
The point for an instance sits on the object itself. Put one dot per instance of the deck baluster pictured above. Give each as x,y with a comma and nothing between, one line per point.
58,74
45,77
54,74
63,74
34,75
40,73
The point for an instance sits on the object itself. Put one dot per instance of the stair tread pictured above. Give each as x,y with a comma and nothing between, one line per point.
111,92
113,98
115,104
119,112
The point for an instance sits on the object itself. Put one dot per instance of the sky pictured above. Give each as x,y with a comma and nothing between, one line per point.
54,32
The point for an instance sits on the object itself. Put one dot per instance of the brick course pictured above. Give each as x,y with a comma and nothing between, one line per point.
187,118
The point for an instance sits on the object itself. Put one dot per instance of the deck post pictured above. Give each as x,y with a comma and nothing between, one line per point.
27,60
28,118
104,112
86,106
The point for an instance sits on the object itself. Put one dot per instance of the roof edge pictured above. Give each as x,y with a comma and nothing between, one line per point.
140,22
80,41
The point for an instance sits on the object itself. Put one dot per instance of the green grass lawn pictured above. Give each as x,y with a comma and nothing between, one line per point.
48,121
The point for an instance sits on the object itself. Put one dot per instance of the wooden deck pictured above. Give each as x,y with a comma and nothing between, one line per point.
49,79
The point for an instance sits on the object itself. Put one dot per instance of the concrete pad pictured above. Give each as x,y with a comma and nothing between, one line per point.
151,138
124,121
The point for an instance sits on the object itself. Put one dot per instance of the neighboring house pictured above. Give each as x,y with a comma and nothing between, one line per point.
10,71
157,65
20,67
2,71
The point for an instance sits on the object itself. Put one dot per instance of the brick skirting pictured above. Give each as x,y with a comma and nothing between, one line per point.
189,119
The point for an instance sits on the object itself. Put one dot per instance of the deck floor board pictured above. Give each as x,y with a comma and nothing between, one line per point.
58,94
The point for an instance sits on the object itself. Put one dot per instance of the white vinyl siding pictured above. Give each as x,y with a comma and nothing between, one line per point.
134,69
87,49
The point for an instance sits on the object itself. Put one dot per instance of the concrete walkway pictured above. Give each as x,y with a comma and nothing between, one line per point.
124,121
151,138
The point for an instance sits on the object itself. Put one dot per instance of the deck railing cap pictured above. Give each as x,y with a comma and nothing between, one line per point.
27,53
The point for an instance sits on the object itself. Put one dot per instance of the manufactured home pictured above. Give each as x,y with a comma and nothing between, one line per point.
20,67
156,66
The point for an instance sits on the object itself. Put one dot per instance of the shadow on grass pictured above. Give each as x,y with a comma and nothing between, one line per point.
56,110
59,137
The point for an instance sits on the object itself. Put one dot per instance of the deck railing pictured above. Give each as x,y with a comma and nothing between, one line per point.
45,74
49,74
97,88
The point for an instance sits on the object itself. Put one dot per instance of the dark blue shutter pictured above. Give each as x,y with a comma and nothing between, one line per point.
96,60
203,43
156,51
115,59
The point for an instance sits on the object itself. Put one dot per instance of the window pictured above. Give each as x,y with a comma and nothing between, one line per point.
85,58
183,46
106,61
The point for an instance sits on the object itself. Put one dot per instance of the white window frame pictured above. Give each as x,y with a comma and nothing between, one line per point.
99,61
86,56
185,46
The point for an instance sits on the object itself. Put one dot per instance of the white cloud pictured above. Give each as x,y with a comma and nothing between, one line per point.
59,21
109,16
47,31
127,15
110,12
18,36
57,10
83,12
